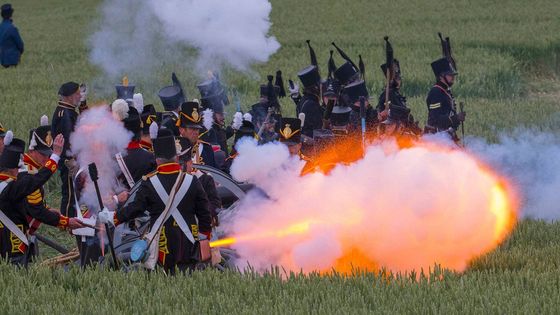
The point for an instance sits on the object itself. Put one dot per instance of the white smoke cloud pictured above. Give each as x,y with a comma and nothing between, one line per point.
530,159
401,209
136,36
97,138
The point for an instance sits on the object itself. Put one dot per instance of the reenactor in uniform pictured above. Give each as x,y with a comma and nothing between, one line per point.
190,124
148,116
171,98
310,103
214,97
65,117
353,94
11,44
267,113
184,152
392,71
442,110
247,129
191,223
20,195
136,162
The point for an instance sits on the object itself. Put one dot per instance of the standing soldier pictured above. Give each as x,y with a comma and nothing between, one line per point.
190,223
64,121
310,102
11,44
214,98
266,114
442,111
171,98
19,197
137,162
190,124
391,92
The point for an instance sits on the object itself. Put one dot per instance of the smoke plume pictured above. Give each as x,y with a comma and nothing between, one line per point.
97,138
403,209
136,36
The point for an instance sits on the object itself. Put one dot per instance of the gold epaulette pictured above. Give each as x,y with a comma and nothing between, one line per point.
147,176
204,142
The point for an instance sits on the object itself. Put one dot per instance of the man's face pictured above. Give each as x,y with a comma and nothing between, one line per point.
219,118
73,99
190,133
294,149
450,79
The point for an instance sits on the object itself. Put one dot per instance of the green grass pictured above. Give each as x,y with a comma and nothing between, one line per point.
522,276
508,54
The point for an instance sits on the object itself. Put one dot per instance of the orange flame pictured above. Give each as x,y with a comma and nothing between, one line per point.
466,216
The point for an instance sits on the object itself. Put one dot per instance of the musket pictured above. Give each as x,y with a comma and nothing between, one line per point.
52,244
94,177
389,74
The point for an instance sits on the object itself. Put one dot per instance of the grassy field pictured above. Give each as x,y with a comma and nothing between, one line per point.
508,54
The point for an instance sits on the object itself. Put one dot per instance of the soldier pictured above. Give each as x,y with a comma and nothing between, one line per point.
190,124
20,195
125,91
246,129
392,71
171,98
11,44
310,102
190,223
214,97
2,134
352,94
71,95
442,111
266,114
136,162
185,159
339,120
148,116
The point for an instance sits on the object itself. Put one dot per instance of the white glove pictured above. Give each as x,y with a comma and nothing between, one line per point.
106,216
83,92
295,90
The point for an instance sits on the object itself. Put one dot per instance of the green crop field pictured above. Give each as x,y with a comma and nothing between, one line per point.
508,55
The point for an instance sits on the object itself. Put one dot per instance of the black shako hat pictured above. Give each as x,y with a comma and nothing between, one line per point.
12,153
442,66
213,95
356,90
309,76
171,97
290,131
164,144
190,115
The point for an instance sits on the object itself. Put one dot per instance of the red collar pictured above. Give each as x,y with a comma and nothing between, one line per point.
169,168
134,145
31,164
146,145
4,177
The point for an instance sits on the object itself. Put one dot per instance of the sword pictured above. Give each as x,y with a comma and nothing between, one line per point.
261,129
462,108
94,177
363,119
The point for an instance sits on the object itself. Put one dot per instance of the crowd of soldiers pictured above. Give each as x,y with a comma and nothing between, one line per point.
165,145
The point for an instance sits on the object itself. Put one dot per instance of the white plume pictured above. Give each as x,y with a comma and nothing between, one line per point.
208,118
138,100
32,142
237,120
120,109
8,137
248,117
154,130
302,118
44,120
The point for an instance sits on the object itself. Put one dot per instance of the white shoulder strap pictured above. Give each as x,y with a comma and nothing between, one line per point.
9,223
173,212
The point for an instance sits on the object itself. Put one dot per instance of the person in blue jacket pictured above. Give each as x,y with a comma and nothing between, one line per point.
11,44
